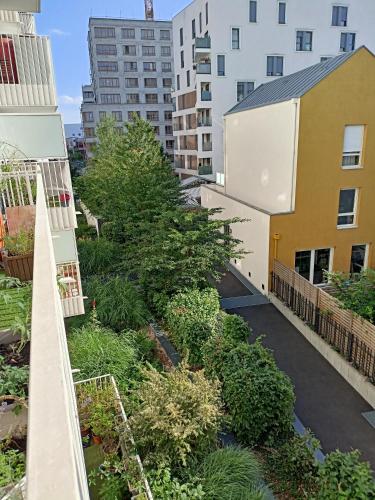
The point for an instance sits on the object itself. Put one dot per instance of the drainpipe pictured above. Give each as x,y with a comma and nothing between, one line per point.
276,237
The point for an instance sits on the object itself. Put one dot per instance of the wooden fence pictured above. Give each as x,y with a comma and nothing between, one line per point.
351,335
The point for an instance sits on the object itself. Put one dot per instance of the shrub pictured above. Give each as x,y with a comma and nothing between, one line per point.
13,379
191,318
20,244
97,351
294,465
118,303
178,415
97,257
163,485
235,328
12,467
344,476
231,472
259,397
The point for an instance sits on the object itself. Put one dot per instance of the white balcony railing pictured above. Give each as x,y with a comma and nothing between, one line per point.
26,73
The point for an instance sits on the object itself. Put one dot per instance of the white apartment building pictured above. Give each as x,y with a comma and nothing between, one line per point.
131,73
223,50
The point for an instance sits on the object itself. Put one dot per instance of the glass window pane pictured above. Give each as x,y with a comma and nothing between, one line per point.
357,262
253,11
321,264
347,198
303,263
282,13
345,220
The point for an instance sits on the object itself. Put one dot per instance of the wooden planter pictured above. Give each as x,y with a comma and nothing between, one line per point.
19,266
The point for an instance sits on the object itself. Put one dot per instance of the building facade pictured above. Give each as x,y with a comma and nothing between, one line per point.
223,50
131,73
300,167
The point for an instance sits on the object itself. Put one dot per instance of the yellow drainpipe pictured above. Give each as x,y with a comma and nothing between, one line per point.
276,238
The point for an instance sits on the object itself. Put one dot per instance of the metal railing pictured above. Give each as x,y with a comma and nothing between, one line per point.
205,170
26,76
207,146
203,68
203,42
205,122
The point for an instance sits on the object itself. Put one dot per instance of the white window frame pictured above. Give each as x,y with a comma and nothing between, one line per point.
239,37
353,153
347,15
312,261
367,253
354,212
243,81
305,30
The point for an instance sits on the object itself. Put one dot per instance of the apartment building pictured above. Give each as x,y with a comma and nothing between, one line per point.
131,74
224,50
300,167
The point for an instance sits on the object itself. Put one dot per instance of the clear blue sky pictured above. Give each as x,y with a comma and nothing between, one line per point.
66,22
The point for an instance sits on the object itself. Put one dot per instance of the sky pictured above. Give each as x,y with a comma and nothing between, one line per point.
66,22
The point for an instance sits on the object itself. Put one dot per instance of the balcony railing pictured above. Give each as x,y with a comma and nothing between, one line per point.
205,170
207,146
206,95
203,43
26,77
205,122
204,68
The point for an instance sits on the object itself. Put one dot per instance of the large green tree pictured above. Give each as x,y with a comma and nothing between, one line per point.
131,185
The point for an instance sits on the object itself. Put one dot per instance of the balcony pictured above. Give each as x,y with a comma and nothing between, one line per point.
205,170
203,43
21,5
207,146
205,121
88,94
26,77
206,95
203,68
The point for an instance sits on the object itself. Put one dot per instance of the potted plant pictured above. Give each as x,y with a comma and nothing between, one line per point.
13,383
20,255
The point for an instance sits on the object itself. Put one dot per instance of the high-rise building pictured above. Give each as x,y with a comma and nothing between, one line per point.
224,50
131,74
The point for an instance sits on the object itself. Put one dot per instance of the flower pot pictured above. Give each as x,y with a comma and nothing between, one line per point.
19,266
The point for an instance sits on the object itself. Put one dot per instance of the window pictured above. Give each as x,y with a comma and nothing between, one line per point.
102,115
358,260
275,65
200,22
117,115
131,83
353,144
151,98
178,82
132,98
181,36
151,83
147,34
149,66
107,66
167,115
130,67
165,35
88,94
347,42
89,132
167,83
110,98
193,30
282,13
182,59
253,11
157,130
132,115
347,207
220,65
128,33
193,52
325,58
304,41
166,67
169,144
206,12
165,51
311,264
104,32
167,99
8,63
109,82
130,50
168,130
235,38
339,16
244,89
106,50
152,116
148,50
188,78
88,116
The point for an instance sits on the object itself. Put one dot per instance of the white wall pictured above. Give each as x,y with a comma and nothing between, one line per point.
254,234
266,37
260,156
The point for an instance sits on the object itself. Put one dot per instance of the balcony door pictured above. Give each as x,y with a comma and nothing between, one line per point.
311,264
358,258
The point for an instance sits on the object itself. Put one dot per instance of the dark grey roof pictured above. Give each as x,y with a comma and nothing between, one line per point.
291,86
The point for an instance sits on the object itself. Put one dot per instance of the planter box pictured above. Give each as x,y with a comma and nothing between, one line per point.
19,266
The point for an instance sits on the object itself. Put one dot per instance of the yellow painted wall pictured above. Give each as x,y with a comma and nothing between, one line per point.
346,97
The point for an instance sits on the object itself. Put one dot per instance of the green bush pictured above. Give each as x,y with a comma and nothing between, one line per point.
191,318
12,468
118,303
178,416
231,472
294,467
98,257
164,486
259,397
344,476
235,328
13,379
97,351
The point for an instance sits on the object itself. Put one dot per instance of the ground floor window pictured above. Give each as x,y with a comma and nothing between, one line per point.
311,264
358,258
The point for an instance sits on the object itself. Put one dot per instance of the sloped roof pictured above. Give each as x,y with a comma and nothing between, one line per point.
292,86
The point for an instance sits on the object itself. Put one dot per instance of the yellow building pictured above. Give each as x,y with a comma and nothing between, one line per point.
300,167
